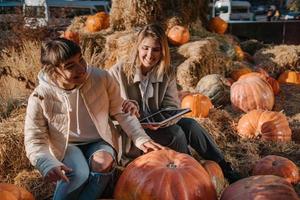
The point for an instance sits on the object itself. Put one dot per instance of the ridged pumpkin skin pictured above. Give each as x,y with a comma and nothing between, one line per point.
263,187
97,22
198,103
267,125
164,175
289,77
251,93
216,87
279,166
217,25
17,192
178,35
215,173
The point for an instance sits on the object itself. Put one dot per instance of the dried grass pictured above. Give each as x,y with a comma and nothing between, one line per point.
12,151
277,59
34,183
127,14
203,57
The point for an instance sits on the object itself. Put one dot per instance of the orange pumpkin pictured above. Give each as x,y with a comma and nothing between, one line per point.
279,166
164,174
268,125
215,173
198,103
263,187
237,73
10,191
289,77
70,35
264,75
178,35
239,53
251,93
217,25
97,22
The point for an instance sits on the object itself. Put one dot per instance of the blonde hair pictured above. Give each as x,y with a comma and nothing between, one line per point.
156,32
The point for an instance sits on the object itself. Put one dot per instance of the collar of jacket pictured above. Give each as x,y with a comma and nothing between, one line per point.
154,77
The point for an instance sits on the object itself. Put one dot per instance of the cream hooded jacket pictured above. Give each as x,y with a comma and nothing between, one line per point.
47,121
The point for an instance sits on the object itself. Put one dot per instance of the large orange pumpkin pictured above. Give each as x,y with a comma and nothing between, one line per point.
251,93
264,75
268,125
97,22
178,35
279,166
164,175
13,192
289,77
215,173
217,25
71,35
198,103
263,187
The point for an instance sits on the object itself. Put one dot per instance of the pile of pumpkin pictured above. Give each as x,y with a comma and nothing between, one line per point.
166,174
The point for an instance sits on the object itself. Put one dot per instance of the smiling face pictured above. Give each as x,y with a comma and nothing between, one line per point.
150,53
72,72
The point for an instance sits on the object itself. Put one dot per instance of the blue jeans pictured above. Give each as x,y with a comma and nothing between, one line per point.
84,184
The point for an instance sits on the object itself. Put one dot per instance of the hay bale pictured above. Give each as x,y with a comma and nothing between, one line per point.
203,58
126,14
278,59
12,151
34,183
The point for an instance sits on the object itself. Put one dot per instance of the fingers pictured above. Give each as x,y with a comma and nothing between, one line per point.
151,146
128,106
58,173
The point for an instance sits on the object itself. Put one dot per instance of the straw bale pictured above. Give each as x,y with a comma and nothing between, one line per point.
126,14
34,183
12,151
118,47
204,58
278,58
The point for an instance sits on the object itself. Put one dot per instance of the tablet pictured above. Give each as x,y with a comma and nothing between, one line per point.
164,116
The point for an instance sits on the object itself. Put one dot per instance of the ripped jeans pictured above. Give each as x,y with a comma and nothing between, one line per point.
85,184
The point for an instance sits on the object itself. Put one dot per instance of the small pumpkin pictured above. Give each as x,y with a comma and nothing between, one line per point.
215,173
198,103
269,125
238,72
216,87
178,35
263,187
71,35
251,93
239,53
279,166
217,25
14,192
289,77
164,174
97,22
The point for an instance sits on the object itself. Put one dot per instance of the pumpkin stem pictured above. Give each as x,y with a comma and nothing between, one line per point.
171,165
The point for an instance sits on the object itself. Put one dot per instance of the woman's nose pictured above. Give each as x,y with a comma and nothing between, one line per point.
149,54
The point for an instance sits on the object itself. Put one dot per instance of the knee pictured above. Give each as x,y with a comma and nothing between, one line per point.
102,162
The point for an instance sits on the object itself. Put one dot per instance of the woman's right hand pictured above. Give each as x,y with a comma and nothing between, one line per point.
58,173
129,106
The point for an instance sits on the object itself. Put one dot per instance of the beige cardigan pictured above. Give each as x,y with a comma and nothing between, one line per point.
47,119
165,94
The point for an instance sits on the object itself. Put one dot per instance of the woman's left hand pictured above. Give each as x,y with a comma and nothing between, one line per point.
129,106
151,146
